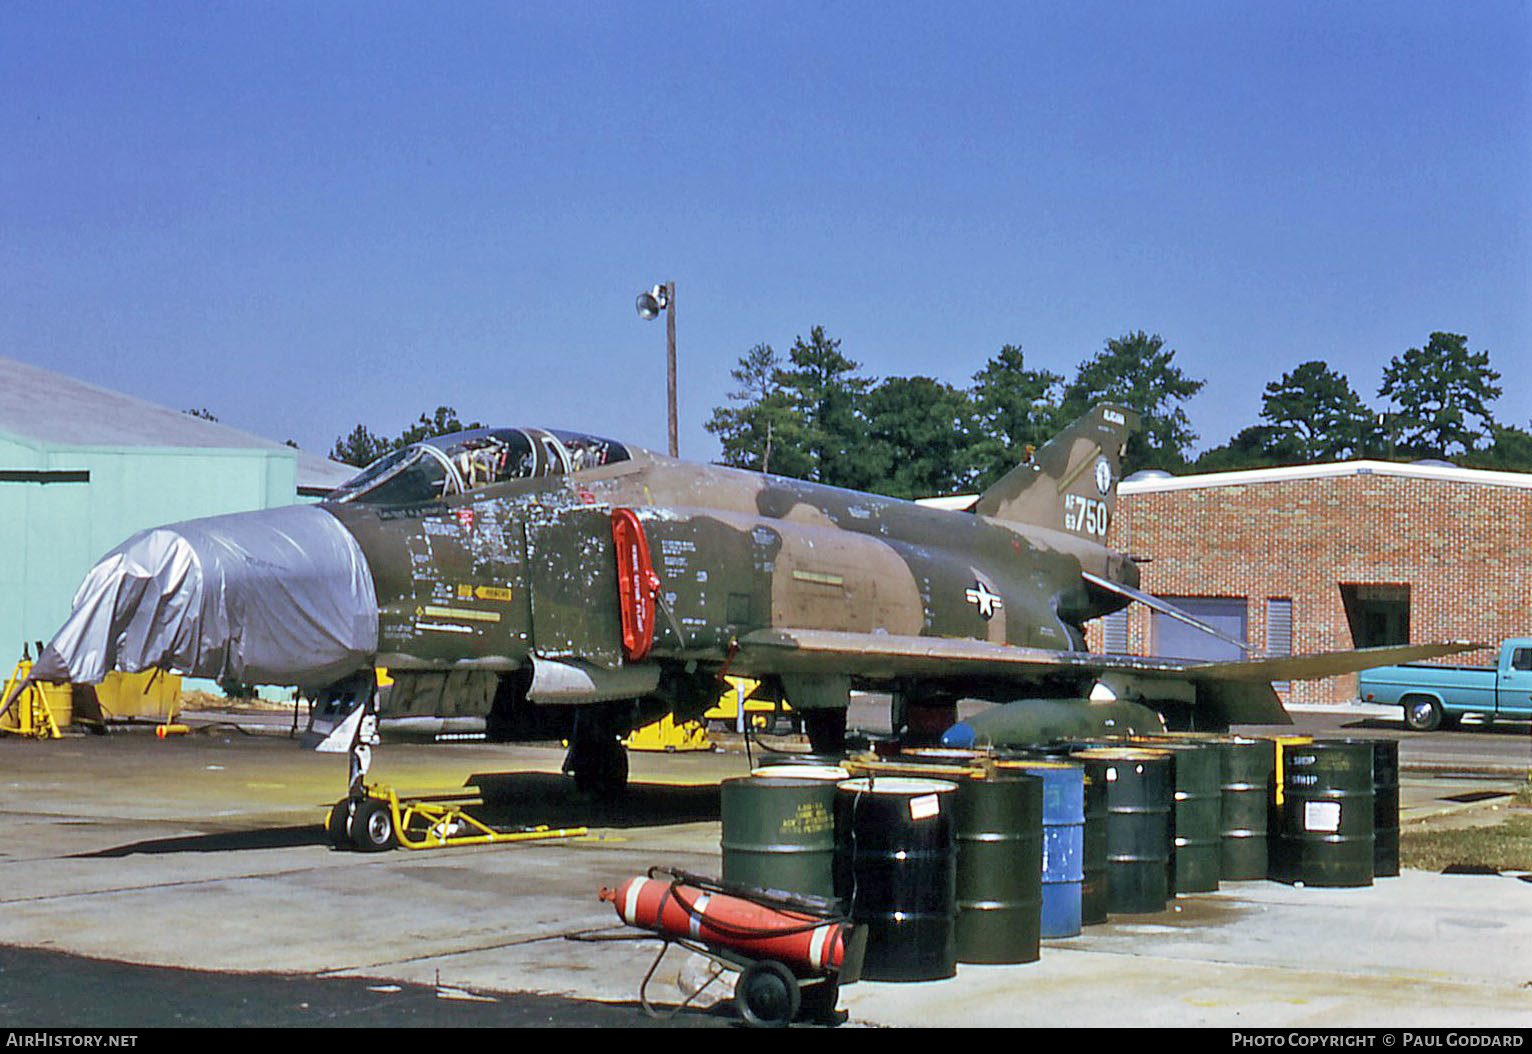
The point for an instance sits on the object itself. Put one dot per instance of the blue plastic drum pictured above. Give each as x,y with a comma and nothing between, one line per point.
1063,842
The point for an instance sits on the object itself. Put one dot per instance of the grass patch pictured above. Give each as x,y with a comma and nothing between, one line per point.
1506,846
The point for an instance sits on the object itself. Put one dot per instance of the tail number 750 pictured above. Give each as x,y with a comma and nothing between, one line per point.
1085,515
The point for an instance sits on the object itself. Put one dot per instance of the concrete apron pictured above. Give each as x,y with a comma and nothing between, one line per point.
208,853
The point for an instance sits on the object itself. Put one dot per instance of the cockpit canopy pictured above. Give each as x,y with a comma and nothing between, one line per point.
466,461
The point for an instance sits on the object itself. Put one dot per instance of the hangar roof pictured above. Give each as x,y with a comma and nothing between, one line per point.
48,407
1419,470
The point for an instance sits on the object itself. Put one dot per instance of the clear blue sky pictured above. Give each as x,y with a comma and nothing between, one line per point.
305,216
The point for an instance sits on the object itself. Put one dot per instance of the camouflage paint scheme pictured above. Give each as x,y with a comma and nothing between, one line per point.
805,586
502,601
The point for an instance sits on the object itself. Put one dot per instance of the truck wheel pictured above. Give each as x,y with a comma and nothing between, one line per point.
1422,714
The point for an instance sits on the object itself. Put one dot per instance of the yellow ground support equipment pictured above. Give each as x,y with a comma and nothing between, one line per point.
383,820
38,710
670,736
151,694
740,699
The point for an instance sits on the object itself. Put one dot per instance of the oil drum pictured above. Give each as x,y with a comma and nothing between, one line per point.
1063,863
1095,891
1385,787
779,833
1196,858
895,869
1246,776
1279,851
998,827
1327,817
1140,804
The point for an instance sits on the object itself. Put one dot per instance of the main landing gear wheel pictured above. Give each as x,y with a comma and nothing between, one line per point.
826,730
599,764
766,995
372,826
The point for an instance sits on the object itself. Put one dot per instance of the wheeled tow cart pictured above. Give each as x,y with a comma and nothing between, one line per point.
792,952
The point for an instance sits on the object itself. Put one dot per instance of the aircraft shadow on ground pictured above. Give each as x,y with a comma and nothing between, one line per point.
50,989
511,800
219,842
514,799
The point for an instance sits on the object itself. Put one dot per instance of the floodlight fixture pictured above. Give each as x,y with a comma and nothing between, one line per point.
649,304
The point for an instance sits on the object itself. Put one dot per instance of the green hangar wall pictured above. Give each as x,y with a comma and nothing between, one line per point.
83,468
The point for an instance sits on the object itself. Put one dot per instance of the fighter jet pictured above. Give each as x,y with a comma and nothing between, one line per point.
538,584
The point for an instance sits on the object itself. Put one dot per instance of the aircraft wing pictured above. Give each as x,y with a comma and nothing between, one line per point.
878,655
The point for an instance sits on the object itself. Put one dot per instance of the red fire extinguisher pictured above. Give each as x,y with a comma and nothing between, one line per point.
758,931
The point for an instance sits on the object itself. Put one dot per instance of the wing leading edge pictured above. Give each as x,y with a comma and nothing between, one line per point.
1228,692
878,654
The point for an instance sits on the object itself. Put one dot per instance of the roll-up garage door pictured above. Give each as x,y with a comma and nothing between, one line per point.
1175,639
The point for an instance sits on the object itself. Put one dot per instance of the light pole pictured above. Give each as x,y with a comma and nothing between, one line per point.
649,305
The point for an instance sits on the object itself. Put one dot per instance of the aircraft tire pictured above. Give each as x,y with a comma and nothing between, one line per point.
826,730
372,827
338,825
1421,713
601,767
766,995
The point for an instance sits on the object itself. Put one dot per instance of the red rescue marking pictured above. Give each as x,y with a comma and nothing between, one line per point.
637,584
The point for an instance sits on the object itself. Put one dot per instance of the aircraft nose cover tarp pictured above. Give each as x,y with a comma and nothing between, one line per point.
278,596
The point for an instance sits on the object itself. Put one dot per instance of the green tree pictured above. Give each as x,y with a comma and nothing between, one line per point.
1138,371
360,448
1442,392
919,438
822,429
440,422
1318,415
1258,446
749,430
1017,409
1509,450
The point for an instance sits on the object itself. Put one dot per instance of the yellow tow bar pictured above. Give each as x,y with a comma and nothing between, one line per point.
440,822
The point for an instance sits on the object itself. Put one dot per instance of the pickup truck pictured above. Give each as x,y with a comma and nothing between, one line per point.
1438,696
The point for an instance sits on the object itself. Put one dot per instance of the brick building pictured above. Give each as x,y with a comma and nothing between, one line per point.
1326,557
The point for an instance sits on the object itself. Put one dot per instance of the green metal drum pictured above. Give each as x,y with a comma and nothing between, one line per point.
1327,820
1246,782
779,833
998,827
1140,803
1198,853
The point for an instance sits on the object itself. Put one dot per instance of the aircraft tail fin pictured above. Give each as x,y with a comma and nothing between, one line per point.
1070,484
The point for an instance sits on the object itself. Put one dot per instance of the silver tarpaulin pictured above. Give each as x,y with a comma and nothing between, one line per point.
278,596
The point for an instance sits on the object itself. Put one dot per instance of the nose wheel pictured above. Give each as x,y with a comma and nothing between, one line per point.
366,825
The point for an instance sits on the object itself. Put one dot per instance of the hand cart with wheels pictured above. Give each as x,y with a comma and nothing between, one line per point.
792,951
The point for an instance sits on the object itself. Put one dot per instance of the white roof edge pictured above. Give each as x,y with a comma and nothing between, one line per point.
1246,477
46,410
